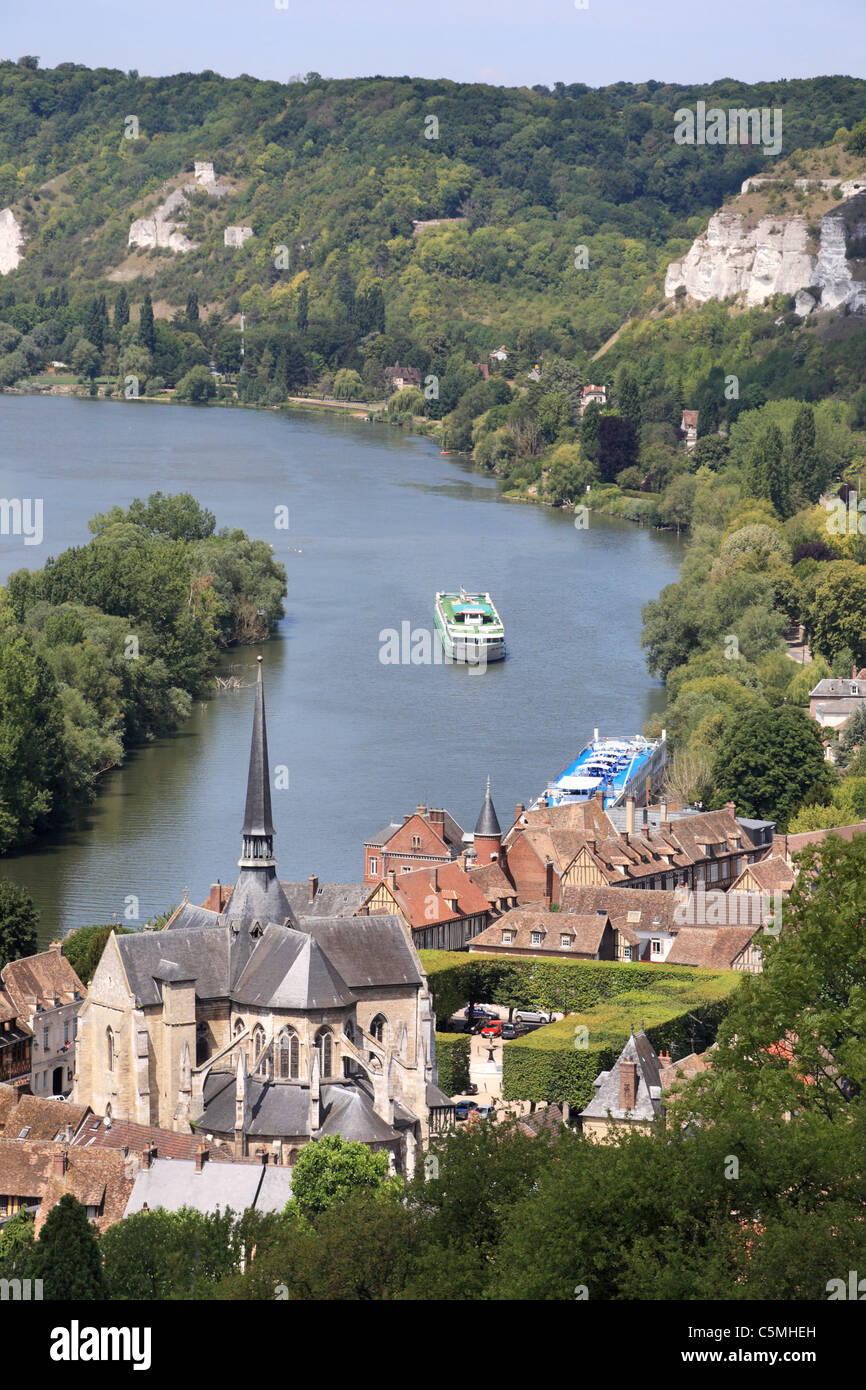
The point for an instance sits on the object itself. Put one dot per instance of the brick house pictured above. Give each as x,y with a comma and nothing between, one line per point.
425,837
442,906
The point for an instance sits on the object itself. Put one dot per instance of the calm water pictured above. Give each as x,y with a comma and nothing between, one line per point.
379,521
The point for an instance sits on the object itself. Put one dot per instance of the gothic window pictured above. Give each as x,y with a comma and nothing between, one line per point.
109,1049
258,1048
289,1056
377,1028
239,1027
325,1044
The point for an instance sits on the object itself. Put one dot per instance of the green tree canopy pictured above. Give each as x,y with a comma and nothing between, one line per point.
770,761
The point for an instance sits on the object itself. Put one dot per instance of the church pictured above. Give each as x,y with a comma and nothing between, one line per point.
261,1029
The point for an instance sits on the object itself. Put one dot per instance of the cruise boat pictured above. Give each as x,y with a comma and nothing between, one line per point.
469,628
617,767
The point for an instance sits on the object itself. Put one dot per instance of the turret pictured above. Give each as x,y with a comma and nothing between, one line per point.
488,834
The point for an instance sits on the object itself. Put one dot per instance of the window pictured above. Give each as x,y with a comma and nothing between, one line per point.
289,1055
416,841
377,1028
258,1048
507,938
66,1032
44,1039
325,1044
92,1213
109,1049
626,954
565,941
238,1028
656,947
536,938
374,864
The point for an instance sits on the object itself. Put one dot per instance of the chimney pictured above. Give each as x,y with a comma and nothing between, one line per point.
665,1059
314,886
200,1157
263,1156
392,878
148,1153
629,815
59,1164
854,672
519,810
54,946
548,882
663,813
420,810
598,795
437,817
731,806
627,1085
434,879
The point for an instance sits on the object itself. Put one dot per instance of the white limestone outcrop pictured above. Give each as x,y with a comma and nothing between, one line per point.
734,260
160,229
236,236
11,242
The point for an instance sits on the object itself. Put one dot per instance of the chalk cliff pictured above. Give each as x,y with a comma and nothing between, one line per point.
11,242
739,258
160,229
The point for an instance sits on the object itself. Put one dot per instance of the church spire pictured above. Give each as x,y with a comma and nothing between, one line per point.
258,895
258,828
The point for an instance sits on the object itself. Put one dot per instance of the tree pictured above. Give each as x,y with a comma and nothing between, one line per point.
348,386
66,1256
121,309
146,326
589,431
807,476
766,472
32,753
769,762
16,1246
18,923
192,306
617,445
628,397
837,615
83,948
302,315
196,385
328,1169
86,359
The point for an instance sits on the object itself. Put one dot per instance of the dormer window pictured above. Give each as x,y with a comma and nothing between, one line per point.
565,941
507,938
536,938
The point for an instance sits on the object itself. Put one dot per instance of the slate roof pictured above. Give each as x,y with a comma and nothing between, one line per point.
546,1120
283,1109
366,951
492,882
44,1116
644,909
487,824
198,918
384,835
832,688
289,970
349,1113
204,955
258,896
647,1105
331,899
257,811
173,1183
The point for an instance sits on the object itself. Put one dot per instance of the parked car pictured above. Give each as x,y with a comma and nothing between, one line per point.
471,1089
492,1029
479,1012
530,1016
510,1030
463,1109
485,1112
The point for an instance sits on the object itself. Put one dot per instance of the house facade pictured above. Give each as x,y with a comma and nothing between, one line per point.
46,996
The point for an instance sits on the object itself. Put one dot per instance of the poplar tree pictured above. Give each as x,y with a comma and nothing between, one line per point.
66,1256
146,329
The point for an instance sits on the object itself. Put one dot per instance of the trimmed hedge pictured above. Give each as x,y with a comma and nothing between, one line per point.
559,986
452,1057
547,1066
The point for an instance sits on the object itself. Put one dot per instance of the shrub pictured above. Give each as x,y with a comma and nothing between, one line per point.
452,1056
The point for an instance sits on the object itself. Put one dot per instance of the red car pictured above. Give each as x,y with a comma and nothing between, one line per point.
492,1030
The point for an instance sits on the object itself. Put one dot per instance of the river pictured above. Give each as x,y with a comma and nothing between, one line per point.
378,521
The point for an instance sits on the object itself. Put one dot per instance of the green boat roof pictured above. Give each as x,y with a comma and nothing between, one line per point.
454,604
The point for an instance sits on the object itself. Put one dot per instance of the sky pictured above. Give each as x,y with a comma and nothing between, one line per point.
503,42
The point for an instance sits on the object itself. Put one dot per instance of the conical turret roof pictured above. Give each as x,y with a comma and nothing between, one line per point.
488,826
